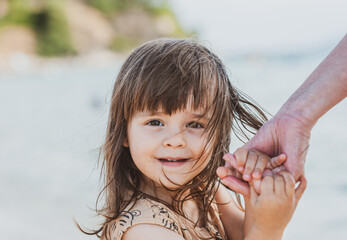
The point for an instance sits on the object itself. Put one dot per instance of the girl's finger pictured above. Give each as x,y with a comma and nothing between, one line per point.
267,172
289,183
222,172
241,157
230,160
267,185
238,174
279,185
260,167
256,185
301,188
253,194
276,161
237,185
252,159
277,170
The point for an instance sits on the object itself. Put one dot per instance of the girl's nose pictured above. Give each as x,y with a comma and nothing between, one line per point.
175,140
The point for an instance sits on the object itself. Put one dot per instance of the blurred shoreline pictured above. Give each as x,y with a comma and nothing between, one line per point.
22,63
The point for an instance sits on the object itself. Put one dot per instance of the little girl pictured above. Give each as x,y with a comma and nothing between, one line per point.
172,111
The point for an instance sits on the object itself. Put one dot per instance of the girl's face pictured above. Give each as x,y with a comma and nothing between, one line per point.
167,147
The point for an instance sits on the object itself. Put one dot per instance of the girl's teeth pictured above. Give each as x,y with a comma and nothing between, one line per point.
170,160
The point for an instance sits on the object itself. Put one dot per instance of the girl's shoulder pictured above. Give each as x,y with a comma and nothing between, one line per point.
145,211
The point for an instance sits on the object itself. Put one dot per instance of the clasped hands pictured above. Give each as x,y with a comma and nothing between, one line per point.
246,168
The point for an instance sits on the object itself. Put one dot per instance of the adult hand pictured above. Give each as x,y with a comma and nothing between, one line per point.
289,130
284,133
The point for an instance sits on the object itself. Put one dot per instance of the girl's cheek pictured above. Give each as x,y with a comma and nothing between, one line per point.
196,133
197,142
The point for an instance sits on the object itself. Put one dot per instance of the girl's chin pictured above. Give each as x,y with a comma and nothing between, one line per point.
173,184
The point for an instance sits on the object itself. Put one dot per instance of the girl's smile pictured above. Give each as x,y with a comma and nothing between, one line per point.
173,161
169,149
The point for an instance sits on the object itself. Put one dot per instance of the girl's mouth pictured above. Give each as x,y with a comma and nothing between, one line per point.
173,162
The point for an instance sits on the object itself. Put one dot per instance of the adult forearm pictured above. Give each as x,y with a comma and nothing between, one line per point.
323,89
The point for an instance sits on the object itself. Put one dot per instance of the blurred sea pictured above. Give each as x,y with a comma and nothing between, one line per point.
52,122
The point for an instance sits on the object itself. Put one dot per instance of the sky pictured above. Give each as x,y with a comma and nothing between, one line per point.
265,26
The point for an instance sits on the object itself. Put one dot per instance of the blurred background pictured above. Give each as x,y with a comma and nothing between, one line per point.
59,60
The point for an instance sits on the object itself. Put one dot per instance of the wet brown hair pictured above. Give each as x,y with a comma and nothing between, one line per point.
167,73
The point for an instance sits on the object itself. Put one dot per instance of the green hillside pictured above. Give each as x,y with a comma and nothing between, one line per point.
59,30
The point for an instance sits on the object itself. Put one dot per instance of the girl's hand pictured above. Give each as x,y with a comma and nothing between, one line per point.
250,165
268,213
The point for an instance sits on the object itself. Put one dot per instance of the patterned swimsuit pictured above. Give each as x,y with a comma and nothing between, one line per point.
147,211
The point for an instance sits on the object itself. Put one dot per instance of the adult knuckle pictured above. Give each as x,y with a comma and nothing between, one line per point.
263,160
242,150
248,168
252,155
240,154
253,151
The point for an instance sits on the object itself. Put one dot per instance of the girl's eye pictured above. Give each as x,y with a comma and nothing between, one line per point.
155,123
195,125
